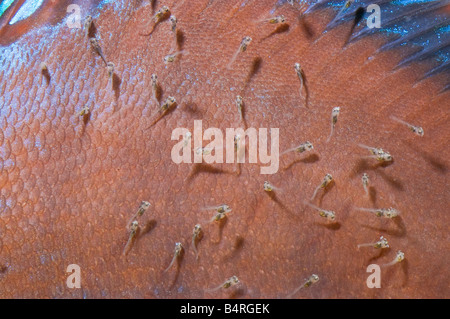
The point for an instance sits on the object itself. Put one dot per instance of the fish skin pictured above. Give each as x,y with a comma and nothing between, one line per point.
68,187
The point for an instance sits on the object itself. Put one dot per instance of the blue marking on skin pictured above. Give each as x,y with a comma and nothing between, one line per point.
408,2
38,143
8,165
444,29
26,10
5,5
117,5
244,3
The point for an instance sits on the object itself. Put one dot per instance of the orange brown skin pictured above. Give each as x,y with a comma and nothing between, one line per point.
68,200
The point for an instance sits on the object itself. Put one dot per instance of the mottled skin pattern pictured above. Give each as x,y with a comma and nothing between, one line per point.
68,187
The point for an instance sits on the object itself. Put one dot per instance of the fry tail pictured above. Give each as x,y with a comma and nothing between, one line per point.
315,193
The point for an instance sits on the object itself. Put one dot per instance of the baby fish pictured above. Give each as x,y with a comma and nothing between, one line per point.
176,254
308,283
382,243
227,284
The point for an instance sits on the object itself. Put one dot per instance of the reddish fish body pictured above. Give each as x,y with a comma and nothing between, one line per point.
68,185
